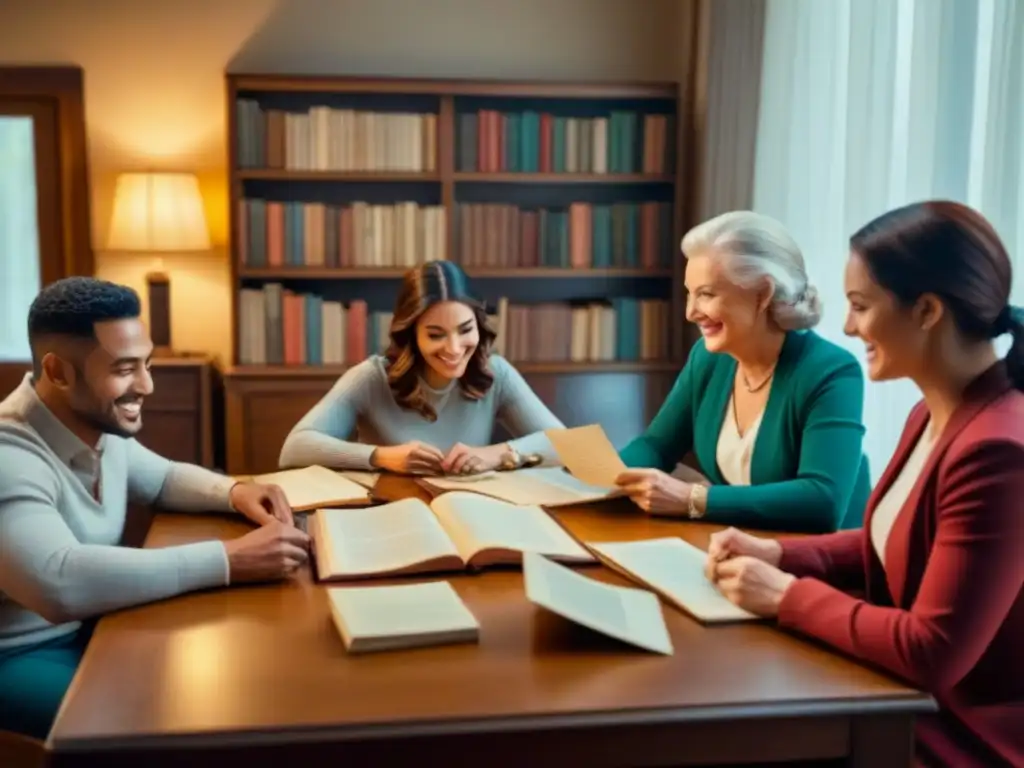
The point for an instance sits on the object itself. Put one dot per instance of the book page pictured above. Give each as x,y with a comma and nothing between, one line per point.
675,568
475,522
378,540
365,479
539,486
572,488
374,614
470,478
314,487
588,454
625,613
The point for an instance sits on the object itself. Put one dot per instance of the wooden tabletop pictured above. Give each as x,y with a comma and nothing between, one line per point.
263,666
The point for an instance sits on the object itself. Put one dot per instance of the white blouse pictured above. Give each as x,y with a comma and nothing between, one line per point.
735,450
889,506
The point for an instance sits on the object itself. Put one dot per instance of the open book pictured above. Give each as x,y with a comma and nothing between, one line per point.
315,487
388,617
625,613
586,452
457,531
675,570
537,486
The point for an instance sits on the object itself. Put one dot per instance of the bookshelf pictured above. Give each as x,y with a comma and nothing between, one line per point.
560,200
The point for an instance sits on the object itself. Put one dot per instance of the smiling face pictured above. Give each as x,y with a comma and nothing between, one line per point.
447,336
106,386
728,315
896,338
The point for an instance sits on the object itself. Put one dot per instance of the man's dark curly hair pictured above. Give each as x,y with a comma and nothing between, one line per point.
72,307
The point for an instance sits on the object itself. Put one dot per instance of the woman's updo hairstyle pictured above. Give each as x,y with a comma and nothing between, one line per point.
755,248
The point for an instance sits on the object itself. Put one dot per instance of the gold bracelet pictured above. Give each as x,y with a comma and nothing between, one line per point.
698,493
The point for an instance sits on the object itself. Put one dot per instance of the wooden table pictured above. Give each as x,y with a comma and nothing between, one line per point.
259,673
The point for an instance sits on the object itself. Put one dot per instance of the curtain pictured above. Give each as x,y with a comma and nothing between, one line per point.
866,105
734,34
19,235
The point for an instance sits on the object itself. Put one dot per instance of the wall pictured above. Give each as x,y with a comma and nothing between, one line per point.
155,88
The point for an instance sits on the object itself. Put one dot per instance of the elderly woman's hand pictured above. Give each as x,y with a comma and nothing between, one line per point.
655,491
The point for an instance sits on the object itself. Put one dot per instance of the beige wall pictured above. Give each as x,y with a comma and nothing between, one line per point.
155,88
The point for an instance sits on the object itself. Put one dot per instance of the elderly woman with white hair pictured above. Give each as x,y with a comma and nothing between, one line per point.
771,410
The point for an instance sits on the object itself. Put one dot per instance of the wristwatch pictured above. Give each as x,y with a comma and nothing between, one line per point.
697,493
513,459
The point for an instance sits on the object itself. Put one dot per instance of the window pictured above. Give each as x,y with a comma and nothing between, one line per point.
20,274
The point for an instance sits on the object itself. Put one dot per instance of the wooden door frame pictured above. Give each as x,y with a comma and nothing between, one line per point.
62,88
58,90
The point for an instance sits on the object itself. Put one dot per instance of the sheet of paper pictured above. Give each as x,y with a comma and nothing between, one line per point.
400,610
588,454
384,538
492,523
676,569
628,614
540,486
314,486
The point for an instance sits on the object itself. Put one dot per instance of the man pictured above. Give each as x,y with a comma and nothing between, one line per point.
69,464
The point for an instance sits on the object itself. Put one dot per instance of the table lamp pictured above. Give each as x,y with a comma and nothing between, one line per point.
158,213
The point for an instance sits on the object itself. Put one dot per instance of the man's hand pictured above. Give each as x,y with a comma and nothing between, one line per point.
274,551
260,503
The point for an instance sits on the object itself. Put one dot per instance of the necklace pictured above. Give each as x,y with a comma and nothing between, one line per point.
746,384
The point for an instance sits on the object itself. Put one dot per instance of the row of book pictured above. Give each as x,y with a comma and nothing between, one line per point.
580,236
339,140
490,141
278,326
325,138
312,234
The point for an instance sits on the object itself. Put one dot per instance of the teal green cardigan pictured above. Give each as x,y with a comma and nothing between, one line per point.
808,471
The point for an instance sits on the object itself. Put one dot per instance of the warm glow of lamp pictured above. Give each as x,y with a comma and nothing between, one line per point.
158,213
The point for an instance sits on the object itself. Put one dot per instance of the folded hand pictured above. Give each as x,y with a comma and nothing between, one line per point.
413,458
470,460
752,584
733,542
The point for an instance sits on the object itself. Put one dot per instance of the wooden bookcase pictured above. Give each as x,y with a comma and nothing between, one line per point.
528,178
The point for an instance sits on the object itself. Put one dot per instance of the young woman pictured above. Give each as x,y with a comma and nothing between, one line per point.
430,404
772,411
940,559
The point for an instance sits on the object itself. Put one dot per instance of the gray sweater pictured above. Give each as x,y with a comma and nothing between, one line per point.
360,413
59,556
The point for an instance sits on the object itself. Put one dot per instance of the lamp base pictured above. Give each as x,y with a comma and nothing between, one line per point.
158,289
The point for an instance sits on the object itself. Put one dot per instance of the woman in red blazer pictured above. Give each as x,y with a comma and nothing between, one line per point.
940,559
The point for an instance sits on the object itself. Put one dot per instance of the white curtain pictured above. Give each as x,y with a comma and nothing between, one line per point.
19,235
866,105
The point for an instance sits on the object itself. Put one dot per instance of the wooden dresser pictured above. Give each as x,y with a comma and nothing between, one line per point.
180,415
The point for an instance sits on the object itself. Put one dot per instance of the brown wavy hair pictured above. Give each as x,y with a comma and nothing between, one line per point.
423,287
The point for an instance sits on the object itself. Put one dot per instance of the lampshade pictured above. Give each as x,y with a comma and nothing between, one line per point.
158,212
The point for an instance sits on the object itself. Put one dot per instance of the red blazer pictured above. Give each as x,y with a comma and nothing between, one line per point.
947,612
